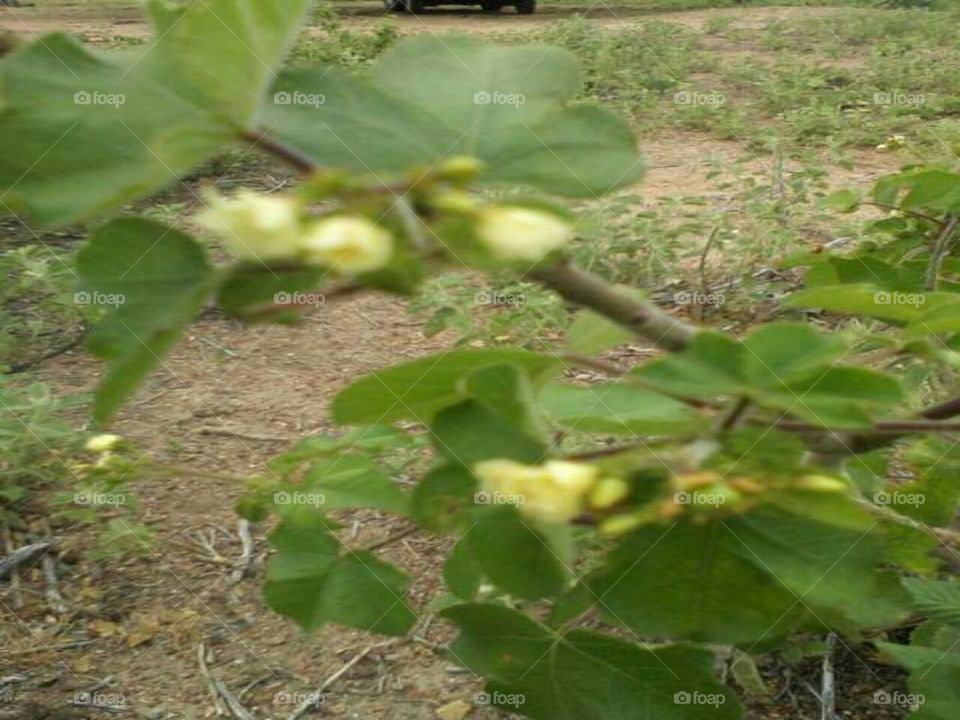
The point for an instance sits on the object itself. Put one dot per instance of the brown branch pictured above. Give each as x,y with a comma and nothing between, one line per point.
944,411
49,354
642,318
282,151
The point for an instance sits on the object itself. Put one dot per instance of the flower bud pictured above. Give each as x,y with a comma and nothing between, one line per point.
515,233
349,244
822,483
103,443
459,168
254,226
621,524
608,492
454,201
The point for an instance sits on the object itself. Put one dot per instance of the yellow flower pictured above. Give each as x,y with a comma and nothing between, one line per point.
103,443
348,244
516,233
553,492
573,476
608,492
254,226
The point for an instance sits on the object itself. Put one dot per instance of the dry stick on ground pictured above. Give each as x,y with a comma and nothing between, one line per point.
49,565
219,690
828,702
311,698
245,561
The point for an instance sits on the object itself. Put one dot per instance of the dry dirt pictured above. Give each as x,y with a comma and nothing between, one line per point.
225,400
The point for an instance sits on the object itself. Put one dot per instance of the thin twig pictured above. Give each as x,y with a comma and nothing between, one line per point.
49,354
49,565
311,698
391,539
828,703
287,153
211,683
941,249
246,558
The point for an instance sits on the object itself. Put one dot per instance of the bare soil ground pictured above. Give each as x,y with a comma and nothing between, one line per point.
227,399
127,20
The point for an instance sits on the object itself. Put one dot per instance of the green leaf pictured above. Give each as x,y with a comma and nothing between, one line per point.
871,301
506,391
803,562
935,675
431,97
934,189
313,580
417,390
161,279
514,554
461,572
782,365
615,408
347,481
935,599
845,201
780,351
442,499
591,333
271,293
371,440
83,134
468,433
584,675
221,54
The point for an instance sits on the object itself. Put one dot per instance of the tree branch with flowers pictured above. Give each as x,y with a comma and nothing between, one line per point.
706,517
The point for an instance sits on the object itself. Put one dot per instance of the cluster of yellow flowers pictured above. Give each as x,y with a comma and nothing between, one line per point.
557,491
272,228
893,142
104,446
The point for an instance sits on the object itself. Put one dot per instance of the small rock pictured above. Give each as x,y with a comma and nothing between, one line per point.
457,710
